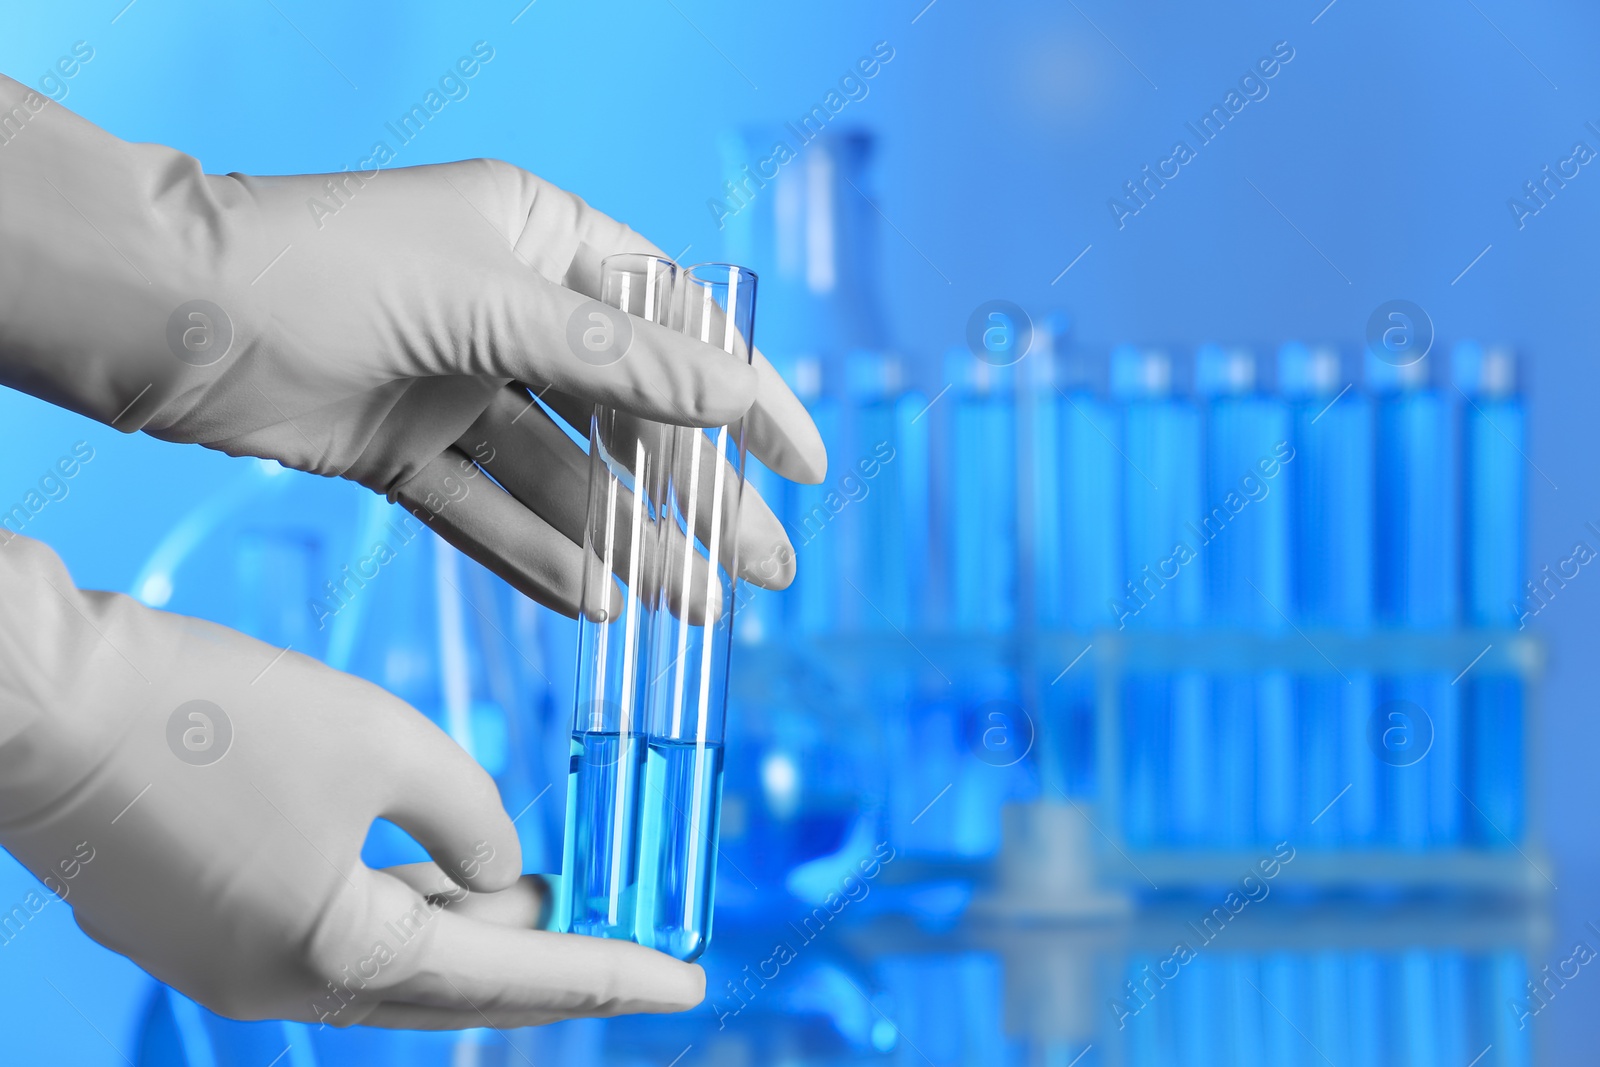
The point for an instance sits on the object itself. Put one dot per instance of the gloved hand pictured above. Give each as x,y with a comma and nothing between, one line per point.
360,325
201,798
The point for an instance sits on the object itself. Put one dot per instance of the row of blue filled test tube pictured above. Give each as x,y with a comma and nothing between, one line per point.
1018,496
1344,498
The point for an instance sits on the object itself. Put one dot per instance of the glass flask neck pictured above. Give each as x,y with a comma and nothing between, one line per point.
808,228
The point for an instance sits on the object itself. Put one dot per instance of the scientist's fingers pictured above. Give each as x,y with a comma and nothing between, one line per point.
765,554
709,497
523,977
539,465
524,905
694,589
536,461
779,432
519,325
648,563
491,526
439,795
391,1016
516,442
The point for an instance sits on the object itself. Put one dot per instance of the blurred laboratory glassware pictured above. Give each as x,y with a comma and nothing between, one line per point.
811,232
819,588
1417,581
1246,534
1169,757
958,715
1494,538
1330,488
1073,548
978,447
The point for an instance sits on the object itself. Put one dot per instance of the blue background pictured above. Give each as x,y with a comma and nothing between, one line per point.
1392,141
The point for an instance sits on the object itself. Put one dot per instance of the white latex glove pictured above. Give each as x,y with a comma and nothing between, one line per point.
223,854
375,343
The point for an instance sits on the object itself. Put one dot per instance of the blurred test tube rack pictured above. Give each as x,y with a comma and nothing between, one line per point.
1379,717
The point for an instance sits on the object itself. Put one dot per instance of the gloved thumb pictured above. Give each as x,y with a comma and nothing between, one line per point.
450,805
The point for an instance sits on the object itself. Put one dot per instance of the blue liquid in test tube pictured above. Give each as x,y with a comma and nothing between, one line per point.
1286,984
1417,1010
882,475
1494,510
977,531
1092,478
1077,539
1329,983
1243,1031
982,516
885,481
1370,996
1330,486
884,522
1507,982
1247,570
645,776
681,812
1417,576
1168,750
1042,552
1091,474
1041,401
1452,976
888,545
600,874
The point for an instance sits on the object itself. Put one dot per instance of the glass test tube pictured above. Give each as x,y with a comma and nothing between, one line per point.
621,533
1090,476
1330,483
1417,570
1247,572
1493,506
1169,753
982,535
686,695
